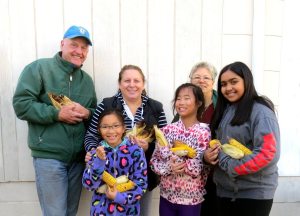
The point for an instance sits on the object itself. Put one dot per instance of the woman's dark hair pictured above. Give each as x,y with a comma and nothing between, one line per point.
245,104
132,67
115,112
199,97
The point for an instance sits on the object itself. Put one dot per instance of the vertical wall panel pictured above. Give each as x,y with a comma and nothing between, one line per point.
289,92
187,50
133,24
236,48
212,27
274,17
107,60
23,51
237,16
77,13
49,27
5,70
161,52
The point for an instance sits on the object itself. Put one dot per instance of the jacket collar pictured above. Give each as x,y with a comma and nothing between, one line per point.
65,65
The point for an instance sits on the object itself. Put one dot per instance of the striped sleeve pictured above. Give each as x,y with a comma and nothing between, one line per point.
92,136
162,120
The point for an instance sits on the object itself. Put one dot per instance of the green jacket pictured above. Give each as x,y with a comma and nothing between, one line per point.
48,137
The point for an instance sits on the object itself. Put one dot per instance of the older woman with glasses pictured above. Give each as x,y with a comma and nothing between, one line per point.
203,74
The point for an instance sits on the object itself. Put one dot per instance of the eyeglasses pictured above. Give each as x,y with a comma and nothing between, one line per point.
204,78
113,127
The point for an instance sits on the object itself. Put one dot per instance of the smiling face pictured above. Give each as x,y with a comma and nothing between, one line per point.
203,78
74,50
131,84
112,129
232,86
185,103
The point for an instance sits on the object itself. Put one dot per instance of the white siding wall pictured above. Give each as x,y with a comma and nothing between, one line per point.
165,38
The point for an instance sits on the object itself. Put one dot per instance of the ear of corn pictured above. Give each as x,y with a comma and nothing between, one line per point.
59,100
140,127
214,142
122,179
240,146
181,149
137,129
232,151
108,179
102,188
178,143
122,183
122,187
160,137
141,131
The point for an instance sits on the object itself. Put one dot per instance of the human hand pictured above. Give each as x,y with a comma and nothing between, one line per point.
88,157
100,152
141,142
177,167
82,110
111,192
68,114
211,155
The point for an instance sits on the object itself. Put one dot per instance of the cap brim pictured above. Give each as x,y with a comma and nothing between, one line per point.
76,36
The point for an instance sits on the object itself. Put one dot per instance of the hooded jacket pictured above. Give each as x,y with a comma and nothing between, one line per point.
254,176
125,159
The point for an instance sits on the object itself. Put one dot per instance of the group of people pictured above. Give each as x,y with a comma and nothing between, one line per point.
207,182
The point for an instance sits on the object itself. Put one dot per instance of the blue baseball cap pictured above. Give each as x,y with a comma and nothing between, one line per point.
78,31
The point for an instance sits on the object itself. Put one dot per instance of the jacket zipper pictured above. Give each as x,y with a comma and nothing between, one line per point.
72,146
115,174
70,80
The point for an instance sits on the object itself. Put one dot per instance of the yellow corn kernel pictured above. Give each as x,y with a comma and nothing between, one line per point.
160,137
122,187
214,142
179,151
183,149
240,146
232,151
108,179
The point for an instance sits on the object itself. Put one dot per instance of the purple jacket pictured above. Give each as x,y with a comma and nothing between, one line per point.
126,159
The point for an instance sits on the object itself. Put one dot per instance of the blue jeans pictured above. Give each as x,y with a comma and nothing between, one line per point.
58,186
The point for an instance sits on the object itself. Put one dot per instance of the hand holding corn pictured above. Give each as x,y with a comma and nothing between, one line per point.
111,192
234,149
182,149
59,100
140,131
100,152
121,183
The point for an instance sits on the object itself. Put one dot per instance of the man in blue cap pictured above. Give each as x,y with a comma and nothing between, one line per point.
55,134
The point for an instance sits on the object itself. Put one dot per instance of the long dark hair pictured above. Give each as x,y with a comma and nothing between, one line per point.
245,103
199,97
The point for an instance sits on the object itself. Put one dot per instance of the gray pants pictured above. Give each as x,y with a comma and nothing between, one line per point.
146,204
